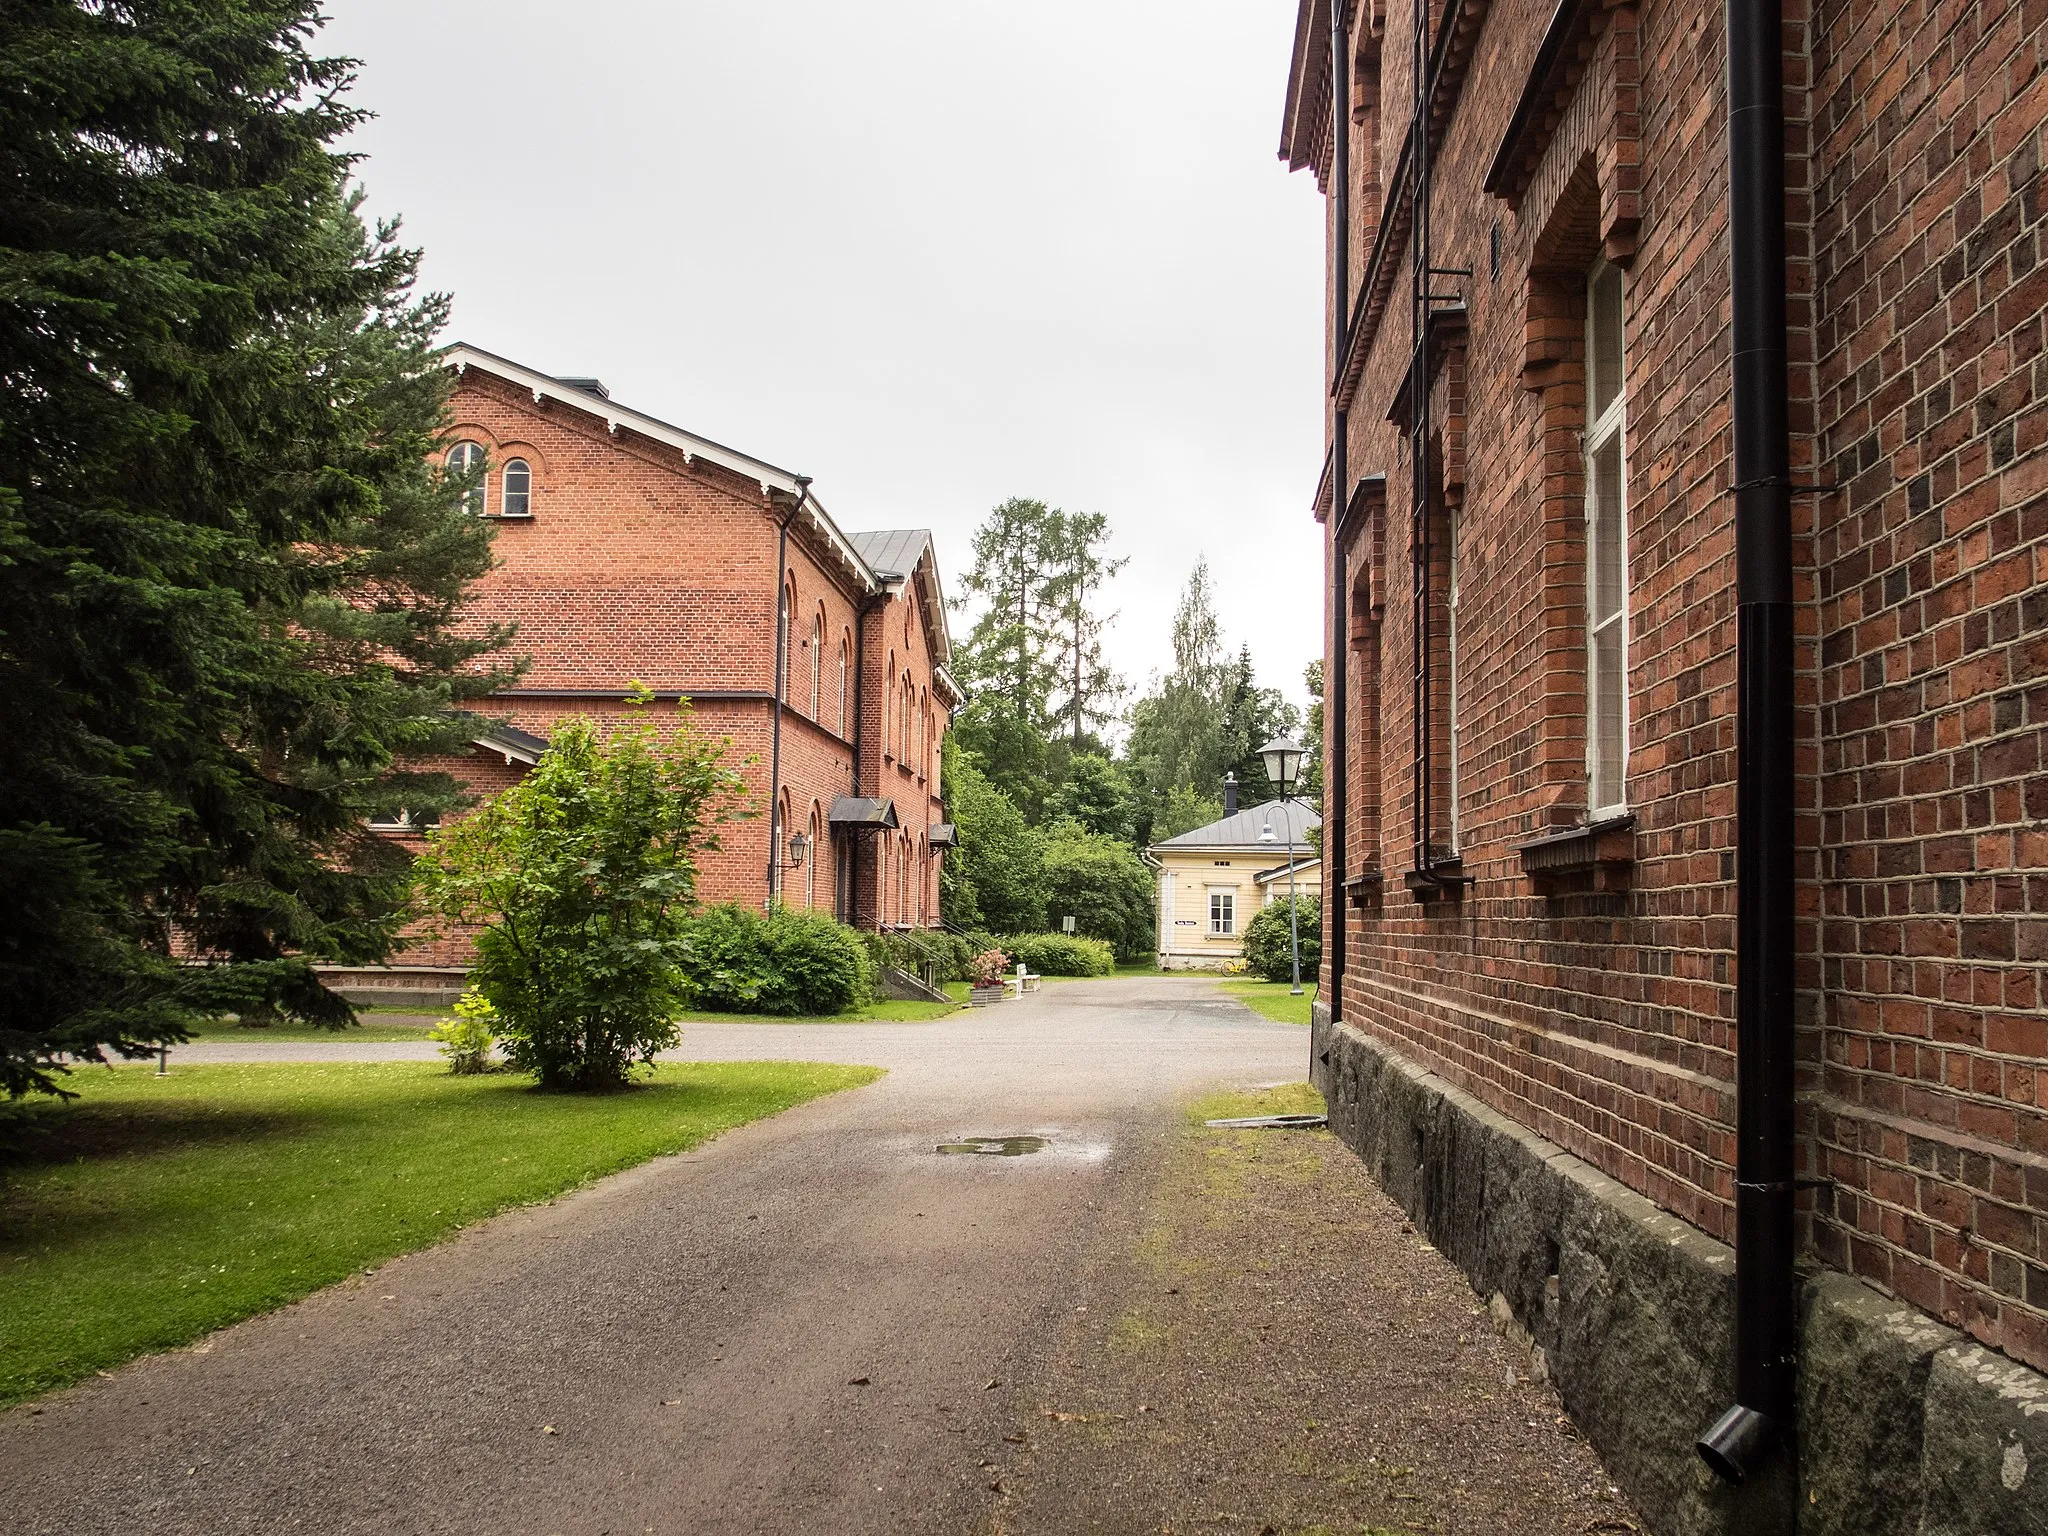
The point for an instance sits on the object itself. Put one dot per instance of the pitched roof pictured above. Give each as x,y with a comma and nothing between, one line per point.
1289,819
577,393
892,551
873,560
908,554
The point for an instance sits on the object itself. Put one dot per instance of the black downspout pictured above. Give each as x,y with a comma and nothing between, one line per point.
1765,1330
1336,724
782,618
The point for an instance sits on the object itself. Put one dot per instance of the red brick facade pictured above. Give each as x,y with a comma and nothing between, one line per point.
1584,984
646,555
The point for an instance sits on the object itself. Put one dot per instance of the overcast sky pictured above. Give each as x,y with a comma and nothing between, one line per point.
932,253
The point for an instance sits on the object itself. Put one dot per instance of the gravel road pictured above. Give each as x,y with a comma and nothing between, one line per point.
811,1324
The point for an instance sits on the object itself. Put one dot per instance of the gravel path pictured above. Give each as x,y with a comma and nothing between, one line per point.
815,1324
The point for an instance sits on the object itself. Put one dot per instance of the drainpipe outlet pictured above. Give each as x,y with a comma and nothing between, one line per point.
1737,1444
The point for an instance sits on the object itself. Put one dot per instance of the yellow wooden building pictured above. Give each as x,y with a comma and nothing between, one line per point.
1213,880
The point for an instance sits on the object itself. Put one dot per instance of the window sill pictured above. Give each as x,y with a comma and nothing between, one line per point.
504,517
1445,877
1365,887
1604,849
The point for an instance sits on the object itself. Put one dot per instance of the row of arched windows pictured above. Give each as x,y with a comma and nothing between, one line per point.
831,693
908,894
514,481
909,732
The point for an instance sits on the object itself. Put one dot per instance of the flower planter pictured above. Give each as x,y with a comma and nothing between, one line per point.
981,997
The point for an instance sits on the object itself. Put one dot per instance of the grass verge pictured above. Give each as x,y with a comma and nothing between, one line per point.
151,1210
384,1026
1274,999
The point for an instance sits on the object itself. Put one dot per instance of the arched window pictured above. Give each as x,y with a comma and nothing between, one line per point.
786,623
518,500
889,713
924,734
463,459
817,854
779,842
844,649
817,662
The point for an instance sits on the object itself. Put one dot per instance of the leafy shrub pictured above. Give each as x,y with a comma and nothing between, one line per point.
466,1040
986,969
1061,954
1102,884
580,878
1266,948
992,879
788,962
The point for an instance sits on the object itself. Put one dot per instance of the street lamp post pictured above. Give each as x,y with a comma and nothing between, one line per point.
1283,764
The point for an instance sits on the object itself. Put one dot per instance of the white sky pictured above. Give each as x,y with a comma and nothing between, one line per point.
932,253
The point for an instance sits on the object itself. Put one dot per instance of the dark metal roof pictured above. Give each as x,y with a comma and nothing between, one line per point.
511,742
1288,818
943,835
892,551
858,811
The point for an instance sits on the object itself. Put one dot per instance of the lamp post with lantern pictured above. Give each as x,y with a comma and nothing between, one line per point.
1283,766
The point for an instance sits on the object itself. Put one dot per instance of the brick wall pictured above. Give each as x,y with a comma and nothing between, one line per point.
1595,1003
641,564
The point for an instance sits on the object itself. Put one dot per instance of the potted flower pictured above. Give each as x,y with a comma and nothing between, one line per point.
985,974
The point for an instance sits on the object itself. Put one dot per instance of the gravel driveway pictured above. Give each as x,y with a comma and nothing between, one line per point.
811,1324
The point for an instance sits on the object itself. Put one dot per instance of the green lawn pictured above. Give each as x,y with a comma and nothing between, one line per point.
151,1210
1272,998
382,1026
376,1029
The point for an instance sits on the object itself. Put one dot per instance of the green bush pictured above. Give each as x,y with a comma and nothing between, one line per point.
788,962
1266,949
580,878
1060,954
992,880
466,1040
1103,885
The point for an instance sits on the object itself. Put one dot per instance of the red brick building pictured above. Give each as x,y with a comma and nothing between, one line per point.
630,550
1530,951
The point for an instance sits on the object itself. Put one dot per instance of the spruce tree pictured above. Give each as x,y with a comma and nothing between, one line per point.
231,581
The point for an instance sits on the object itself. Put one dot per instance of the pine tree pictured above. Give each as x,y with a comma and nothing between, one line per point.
1177,730
231,581
1080,570
1010,657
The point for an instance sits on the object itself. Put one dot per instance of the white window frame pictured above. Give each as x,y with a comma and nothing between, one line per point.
460,460
817,664
1610,426
506,495
1227,928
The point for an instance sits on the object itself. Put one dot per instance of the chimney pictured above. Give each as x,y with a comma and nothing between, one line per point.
1230,794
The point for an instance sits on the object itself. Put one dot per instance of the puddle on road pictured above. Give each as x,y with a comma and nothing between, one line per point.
993,1146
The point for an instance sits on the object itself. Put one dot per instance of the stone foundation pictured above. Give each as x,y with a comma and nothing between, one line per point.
397,986
1907,1427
